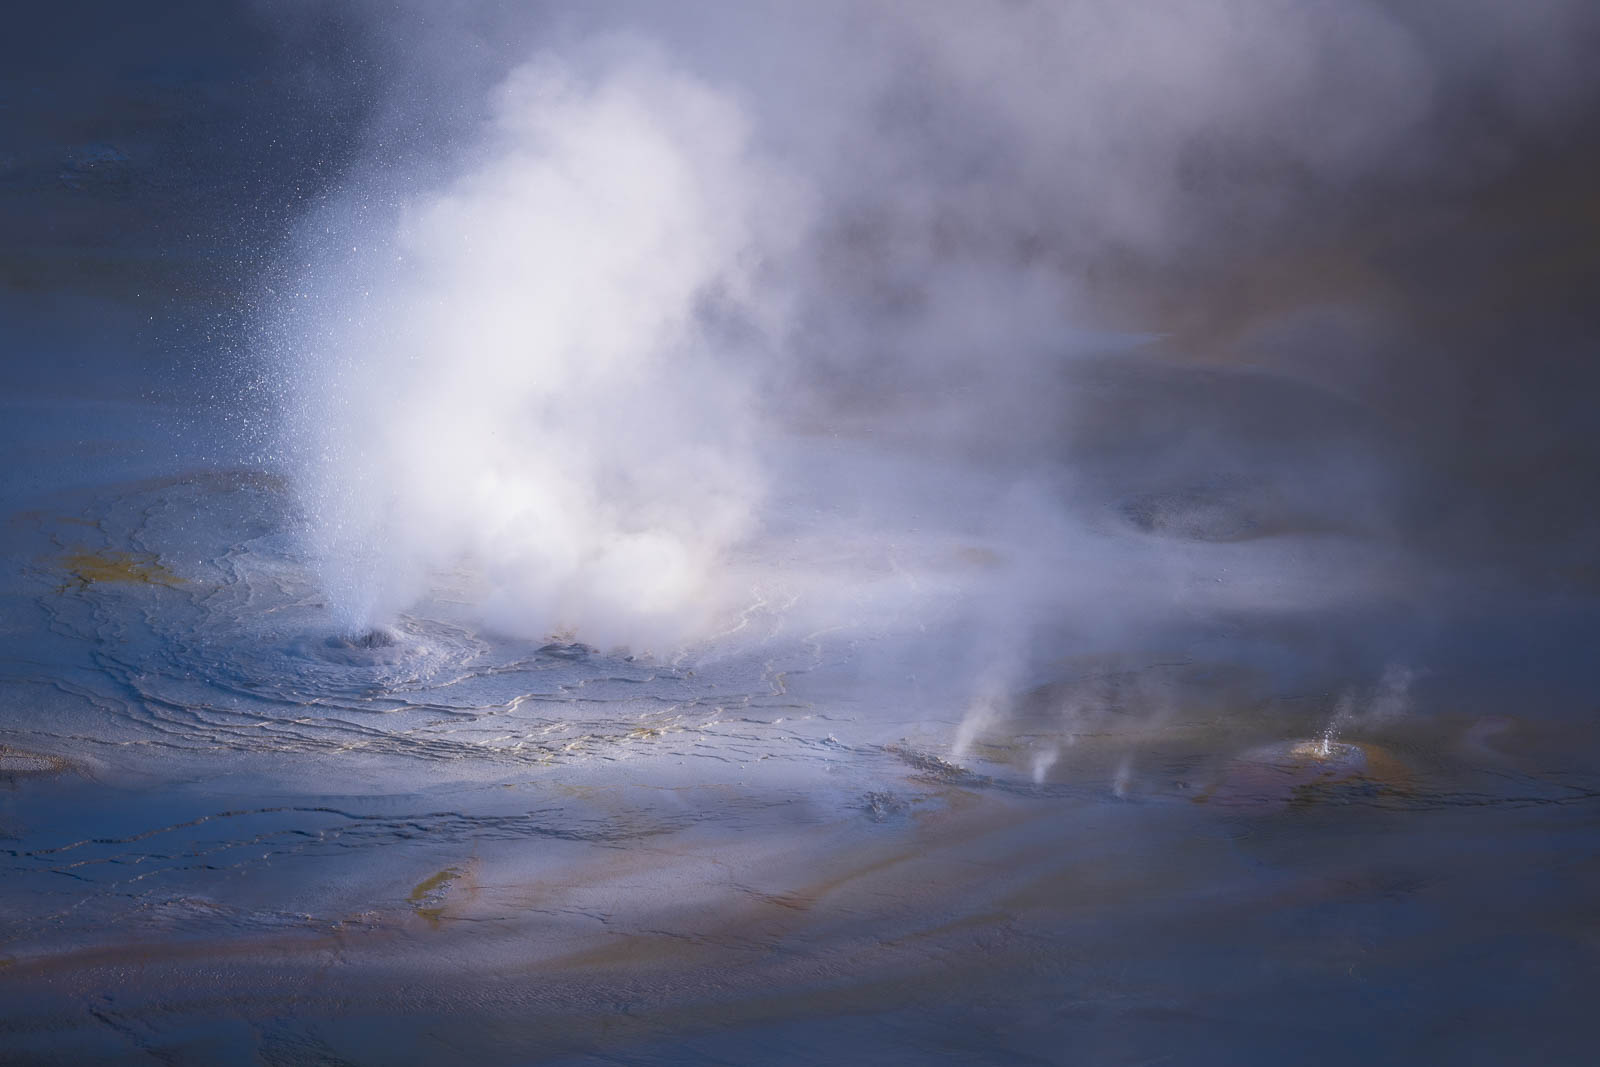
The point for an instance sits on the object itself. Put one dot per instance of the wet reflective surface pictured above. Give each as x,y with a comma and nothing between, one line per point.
229,832
1164,632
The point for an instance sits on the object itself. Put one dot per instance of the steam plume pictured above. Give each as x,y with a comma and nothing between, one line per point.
595,324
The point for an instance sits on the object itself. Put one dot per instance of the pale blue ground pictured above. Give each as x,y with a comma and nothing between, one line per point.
263,841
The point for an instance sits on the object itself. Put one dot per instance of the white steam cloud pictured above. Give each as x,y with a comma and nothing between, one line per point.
703,286
543,372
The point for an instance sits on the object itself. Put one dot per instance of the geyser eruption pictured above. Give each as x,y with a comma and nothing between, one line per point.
533,382
1095,323
1107,486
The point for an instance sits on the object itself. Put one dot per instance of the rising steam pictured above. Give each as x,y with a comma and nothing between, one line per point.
1109,301
541,371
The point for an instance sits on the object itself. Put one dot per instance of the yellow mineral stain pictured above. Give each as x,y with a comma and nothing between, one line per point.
16,761
113,566
427,897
